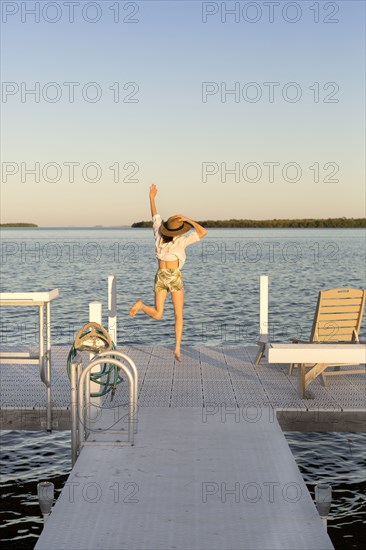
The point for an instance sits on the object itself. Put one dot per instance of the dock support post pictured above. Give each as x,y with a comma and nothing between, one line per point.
95,312
74,376
48,365
112,314
95,315
45,370
263,317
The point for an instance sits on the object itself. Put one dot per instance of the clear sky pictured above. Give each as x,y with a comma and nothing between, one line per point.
299,153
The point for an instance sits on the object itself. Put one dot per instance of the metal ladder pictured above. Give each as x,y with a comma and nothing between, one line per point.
81,404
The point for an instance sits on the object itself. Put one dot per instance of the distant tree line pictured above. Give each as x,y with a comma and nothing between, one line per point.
306,222
20,224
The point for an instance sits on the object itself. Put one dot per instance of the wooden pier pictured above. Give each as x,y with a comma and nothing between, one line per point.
210,468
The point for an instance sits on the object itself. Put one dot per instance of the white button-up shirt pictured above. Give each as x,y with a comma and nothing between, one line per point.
176,248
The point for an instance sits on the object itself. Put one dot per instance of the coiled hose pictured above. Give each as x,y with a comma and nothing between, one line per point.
93,338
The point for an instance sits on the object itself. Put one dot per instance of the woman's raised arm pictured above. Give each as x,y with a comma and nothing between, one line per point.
153,192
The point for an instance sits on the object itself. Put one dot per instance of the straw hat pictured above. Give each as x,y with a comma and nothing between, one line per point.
174,226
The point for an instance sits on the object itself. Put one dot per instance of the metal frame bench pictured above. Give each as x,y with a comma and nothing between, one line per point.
314,358
42,300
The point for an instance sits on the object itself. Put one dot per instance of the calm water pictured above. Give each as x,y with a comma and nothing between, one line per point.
222,303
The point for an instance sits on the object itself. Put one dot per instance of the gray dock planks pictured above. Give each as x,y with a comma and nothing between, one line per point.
222,375
181,474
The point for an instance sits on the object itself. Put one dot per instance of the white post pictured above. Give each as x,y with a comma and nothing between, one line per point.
112,313
95,315
95,312
263,318
263,308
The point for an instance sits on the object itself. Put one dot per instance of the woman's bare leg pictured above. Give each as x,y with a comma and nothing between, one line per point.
154,312
178,302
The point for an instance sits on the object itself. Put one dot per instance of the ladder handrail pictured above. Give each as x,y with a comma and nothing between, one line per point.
131,404
134,373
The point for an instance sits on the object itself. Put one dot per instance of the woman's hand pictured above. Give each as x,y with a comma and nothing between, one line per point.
153,191
183,218
200,230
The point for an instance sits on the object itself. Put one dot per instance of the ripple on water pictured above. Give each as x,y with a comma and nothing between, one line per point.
338,459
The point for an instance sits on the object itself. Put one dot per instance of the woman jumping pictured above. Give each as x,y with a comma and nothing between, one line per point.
170,244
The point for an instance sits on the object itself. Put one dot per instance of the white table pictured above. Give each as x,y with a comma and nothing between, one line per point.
42,300
319,355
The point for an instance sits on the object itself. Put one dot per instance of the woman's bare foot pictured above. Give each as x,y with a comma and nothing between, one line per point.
177,356
135,308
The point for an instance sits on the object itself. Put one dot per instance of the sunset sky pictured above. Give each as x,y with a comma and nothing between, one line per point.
148,81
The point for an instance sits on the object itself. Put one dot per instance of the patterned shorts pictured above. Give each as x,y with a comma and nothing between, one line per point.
168,279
